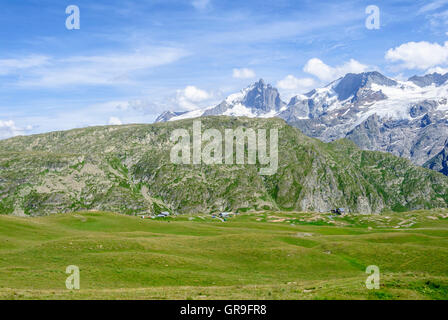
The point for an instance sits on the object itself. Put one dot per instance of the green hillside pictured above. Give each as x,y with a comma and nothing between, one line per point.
127,169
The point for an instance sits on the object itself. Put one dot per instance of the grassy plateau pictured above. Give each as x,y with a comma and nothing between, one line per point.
255,255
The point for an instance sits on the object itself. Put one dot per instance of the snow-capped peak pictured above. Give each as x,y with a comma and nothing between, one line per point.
408,118
257,100
364,94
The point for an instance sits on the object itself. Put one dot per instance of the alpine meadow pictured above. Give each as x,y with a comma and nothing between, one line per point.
237,157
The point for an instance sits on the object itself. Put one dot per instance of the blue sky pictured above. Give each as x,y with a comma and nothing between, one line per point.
132,59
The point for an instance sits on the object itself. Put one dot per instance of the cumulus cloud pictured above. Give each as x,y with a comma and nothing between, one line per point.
419,55
190,97
325,72
437,70
9,129
296,84
194,94
114,121
243,73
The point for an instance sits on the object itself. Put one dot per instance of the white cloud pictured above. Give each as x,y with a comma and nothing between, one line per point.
297,84
419,55
438,21
401,77
9,66
190,97
200,4
194,94
113,69
432,6
141,105
114,121
9,129
243,73
325,72
437,70
291,86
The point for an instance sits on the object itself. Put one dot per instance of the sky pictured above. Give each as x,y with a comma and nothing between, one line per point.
130,60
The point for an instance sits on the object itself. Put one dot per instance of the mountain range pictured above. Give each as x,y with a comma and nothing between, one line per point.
127,169
406,118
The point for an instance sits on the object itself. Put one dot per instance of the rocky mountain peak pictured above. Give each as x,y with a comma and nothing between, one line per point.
352,83
260,83
167,115
440,161
262,97
429,79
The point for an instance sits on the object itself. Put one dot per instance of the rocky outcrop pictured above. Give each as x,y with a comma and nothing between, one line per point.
440,161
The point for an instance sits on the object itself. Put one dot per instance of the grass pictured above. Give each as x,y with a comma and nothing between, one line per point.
256,255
